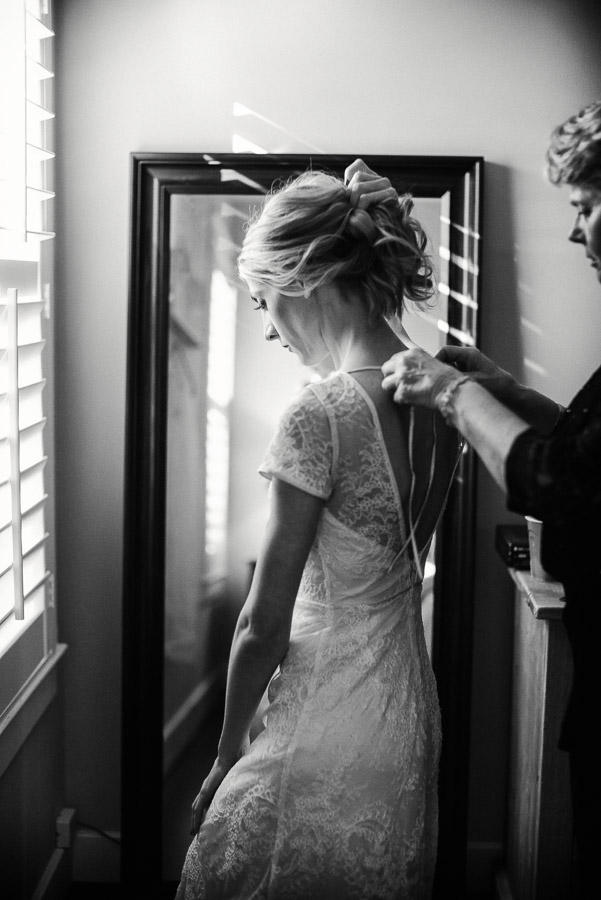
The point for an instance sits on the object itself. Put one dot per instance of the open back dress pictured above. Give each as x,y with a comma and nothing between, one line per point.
336,798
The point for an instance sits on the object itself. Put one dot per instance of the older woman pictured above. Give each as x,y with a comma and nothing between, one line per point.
548,461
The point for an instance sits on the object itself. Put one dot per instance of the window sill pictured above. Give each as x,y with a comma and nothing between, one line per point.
19,720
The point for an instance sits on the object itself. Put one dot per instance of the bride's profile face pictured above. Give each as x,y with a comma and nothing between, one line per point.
293,321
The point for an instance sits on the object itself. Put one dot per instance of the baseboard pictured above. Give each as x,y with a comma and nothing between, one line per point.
96,858
183,725
483,859
54,883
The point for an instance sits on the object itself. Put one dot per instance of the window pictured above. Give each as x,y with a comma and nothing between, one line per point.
27,619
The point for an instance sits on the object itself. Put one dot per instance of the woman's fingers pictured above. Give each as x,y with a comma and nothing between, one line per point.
357,167
395,361
374,193
416,377
366,186
204,798
199,808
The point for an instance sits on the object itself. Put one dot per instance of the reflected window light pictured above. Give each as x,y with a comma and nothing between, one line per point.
222,331
220,389
243,145
535,367
217,469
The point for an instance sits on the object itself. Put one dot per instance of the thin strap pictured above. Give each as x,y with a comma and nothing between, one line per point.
414,524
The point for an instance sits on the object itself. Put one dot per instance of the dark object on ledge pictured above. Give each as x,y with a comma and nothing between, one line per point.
511,543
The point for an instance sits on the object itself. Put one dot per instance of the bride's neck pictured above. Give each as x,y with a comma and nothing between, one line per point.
370,347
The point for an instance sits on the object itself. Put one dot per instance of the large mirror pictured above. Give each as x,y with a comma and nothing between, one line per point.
203,397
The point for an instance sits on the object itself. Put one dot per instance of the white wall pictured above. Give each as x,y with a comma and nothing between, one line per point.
475,77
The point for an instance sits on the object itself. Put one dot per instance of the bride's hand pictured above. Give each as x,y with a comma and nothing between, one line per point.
415,377
366,186
203,799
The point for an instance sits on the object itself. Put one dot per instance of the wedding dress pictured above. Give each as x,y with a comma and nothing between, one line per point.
337,797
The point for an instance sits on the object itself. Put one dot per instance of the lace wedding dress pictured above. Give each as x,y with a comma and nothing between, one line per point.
337,797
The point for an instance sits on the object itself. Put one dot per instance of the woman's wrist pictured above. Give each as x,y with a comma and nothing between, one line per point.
445,401
228,755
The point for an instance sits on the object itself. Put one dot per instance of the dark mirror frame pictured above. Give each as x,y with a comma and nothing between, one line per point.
155,177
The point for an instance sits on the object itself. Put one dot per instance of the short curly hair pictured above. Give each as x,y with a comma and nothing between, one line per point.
574,152
308,234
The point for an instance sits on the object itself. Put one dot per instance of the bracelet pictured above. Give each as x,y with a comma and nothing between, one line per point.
445,400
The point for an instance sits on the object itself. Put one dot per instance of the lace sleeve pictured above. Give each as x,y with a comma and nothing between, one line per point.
301,451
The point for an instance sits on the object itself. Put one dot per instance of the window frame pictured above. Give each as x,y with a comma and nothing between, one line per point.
29,646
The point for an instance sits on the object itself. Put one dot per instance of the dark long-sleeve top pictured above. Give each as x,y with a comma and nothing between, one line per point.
558,479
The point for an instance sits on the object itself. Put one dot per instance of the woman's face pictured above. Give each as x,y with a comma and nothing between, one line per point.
586,198
293,321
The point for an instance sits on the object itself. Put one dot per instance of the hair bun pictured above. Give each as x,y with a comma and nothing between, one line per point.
360,225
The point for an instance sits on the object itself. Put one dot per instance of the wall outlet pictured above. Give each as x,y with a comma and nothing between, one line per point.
65,828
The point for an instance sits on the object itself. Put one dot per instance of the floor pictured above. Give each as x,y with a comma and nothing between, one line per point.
181,785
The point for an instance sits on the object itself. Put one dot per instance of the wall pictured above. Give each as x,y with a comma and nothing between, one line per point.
31,798
478,77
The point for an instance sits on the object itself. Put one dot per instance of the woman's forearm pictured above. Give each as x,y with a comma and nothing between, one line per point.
537,410
488,426
253,661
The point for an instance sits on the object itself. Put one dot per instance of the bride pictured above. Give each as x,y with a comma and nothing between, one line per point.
337,796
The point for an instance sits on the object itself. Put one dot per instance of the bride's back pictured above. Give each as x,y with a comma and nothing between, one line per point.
422,450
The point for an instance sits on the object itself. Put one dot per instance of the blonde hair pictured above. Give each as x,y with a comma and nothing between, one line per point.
307,234
574,154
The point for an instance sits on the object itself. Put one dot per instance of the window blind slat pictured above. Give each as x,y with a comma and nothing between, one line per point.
33,529
5,503
31,408
4,462
30,363
6,550
36,546
7,594
34,569
36,587
31,450
36,30
32,487
29,426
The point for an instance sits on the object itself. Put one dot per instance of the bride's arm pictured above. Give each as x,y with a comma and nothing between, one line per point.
262,632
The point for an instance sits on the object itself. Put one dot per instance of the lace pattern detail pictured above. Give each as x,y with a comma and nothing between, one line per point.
337,797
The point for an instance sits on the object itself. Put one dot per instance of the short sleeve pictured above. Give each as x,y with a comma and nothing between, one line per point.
301,451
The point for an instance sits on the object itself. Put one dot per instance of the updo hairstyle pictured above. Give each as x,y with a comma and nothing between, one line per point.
307,234
574,153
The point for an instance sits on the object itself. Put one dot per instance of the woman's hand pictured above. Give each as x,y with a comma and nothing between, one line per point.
205,796
483,370
415,377
367,187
